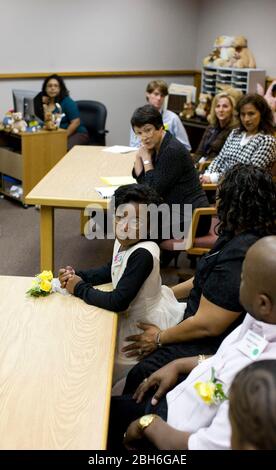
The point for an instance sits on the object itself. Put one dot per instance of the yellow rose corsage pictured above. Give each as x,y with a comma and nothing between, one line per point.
211,392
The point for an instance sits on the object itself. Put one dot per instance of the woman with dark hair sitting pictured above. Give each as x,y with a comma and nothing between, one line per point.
54,92
252,143
164,163
246,205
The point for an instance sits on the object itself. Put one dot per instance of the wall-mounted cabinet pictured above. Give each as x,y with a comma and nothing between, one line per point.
26,157
216,79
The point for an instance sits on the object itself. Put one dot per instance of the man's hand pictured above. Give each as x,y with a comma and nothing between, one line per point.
72,282
64,274
162,381
144,343
133,434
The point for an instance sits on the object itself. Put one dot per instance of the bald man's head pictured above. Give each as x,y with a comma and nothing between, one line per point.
258,284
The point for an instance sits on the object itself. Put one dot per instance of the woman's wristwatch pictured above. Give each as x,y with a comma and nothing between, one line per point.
158,339
146,162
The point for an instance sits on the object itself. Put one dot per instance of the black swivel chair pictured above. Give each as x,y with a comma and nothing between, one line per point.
93,116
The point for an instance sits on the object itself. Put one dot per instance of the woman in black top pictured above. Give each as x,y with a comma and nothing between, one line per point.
163,163
247,211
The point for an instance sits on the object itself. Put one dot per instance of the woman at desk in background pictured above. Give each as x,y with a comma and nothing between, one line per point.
54,91
134,271
252,143
156,92
222,121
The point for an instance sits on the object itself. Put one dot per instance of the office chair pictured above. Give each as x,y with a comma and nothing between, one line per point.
93,116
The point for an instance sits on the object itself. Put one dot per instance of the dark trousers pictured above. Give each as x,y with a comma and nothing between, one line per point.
123,411
77,139
163,356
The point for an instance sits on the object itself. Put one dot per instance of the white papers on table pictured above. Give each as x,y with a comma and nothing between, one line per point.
119,149
117,180
106,192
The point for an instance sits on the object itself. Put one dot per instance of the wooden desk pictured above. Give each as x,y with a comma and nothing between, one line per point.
28,156
195,128
71,184
56,358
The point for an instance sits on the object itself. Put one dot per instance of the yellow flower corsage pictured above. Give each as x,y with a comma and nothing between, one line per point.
211,392
41,285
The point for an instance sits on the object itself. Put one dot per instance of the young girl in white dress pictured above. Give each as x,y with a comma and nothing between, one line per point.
138,294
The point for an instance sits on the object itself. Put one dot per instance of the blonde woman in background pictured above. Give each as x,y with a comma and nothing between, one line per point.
222,121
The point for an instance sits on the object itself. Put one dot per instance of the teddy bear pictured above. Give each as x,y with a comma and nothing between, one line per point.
223,52
204,105
52,120
188,111
243,56
230,51
49,121
19,125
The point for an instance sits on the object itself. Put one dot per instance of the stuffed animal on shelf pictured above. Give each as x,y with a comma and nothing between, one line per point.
204,105
243,56
188,111
223,52
230,51
33,126
8,121
19,125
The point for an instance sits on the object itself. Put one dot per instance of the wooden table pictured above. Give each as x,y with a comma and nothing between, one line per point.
71,183
56,356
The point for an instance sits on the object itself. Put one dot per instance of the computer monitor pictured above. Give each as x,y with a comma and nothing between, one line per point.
23,102
178,95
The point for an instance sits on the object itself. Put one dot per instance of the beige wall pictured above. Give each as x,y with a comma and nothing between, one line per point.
93,35
97,35
254,19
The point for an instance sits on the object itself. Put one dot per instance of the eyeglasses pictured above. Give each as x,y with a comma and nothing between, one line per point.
146,131
132,223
